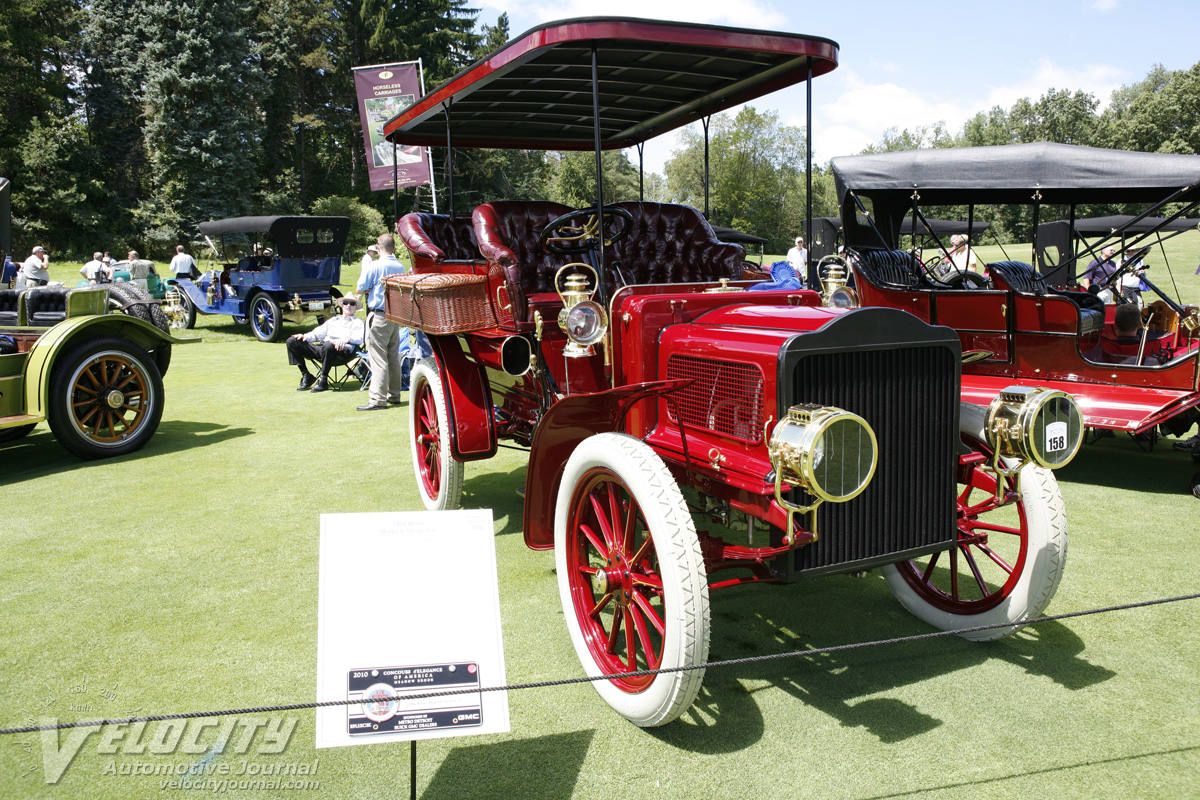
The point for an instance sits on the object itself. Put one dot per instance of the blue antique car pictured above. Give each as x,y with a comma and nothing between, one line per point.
266,270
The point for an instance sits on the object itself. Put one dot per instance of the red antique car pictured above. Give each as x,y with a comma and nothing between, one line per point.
1021,327
686,434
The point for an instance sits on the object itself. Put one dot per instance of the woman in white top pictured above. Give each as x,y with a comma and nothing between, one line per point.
962,256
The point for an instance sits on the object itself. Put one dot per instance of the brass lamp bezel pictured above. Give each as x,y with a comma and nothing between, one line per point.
1010,419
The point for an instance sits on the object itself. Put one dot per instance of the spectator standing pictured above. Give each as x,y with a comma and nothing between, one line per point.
1100,269
383,336
961,255
183,265
797,259
33,272
94,269
139,269
371,254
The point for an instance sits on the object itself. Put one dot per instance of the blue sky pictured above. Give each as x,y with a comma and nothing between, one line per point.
909,62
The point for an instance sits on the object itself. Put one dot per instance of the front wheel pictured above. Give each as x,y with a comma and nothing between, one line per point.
631,578
106,398
1009,556
265,318
439,475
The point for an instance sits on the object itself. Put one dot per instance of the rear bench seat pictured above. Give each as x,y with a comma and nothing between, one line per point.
1024,279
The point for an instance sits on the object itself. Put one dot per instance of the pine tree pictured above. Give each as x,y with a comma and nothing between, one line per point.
203,128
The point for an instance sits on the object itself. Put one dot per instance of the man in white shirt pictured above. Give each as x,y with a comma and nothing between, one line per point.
183,265
336,339
94,269
797,259
33,272
371,254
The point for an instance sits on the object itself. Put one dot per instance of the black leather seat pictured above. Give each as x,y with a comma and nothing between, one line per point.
890,269
46,306
1024,279
9,302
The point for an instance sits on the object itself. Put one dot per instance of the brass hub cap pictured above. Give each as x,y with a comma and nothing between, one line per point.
114,399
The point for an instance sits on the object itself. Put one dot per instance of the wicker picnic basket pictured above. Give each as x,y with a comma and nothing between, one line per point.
439,303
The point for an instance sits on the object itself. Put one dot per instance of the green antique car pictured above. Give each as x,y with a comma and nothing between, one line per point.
70,359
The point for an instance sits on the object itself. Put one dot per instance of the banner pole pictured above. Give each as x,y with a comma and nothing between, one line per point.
428,150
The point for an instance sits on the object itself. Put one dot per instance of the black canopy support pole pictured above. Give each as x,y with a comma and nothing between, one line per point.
449,158
1037,210
808,171
704,121
641,170
395,184
862,208
970,229
1070,266
601,281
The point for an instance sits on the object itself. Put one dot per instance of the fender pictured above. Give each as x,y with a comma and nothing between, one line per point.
468,401
39,365
566,424
1124,408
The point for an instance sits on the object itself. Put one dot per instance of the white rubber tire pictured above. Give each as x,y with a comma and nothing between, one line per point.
683,608
427,407
1046,555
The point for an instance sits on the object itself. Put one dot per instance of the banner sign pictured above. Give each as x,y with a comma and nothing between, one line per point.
383,92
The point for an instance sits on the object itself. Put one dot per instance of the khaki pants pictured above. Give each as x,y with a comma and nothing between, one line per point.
383,347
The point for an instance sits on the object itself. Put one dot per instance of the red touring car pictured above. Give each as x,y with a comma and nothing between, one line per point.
685,433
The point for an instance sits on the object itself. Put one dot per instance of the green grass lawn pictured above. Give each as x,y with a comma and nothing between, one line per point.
184,577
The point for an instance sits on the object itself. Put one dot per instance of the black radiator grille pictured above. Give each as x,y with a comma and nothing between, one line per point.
909,396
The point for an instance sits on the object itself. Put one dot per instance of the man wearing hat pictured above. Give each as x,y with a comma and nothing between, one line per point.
335,339
33,272
371,255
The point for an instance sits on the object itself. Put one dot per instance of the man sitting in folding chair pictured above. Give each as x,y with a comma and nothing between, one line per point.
337,341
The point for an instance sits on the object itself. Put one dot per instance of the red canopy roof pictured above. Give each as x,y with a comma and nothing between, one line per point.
535,93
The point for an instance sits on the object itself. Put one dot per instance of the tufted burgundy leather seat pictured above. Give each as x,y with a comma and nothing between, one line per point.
508,233
670,243
433,239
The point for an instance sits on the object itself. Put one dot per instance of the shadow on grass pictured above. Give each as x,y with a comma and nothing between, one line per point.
1045,771
1119,464
497,491
756,620
39,455
547,766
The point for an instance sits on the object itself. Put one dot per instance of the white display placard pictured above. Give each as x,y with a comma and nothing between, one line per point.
408,604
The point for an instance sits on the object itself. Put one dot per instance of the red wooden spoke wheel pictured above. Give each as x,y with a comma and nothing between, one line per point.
631,577
439,476
1009,554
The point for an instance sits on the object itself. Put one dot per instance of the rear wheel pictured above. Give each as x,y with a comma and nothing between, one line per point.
439,475
1009,556
106,398
265,317
631,578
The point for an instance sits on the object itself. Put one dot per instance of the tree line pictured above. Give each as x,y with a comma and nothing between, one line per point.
124,123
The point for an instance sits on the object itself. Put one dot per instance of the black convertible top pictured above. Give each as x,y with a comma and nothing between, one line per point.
294,236
733,235
1062,173
1102,226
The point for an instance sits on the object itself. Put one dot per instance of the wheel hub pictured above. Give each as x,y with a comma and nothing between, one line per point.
114,398
615,579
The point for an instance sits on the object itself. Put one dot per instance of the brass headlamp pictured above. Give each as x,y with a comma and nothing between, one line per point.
582,319
1029,423
834,290
829,453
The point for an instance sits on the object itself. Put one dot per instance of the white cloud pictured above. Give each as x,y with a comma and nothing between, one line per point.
864,110
1103,6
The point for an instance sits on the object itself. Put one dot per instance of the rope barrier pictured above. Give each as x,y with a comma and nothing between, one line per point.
639,673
